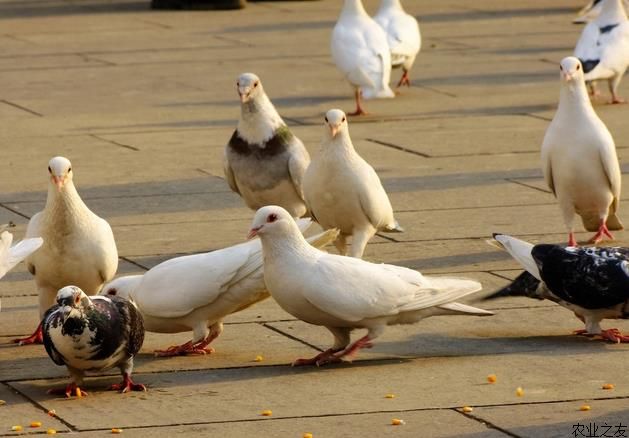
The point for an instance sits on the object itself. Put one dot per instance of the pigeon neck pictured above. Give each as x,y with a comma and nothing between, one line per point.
574,97
258,120
339,145
65,203
612,12
291,244
352,8
390,4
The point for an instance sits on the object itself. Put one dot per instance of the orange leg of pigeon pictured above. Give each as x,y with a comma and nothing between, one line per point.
315,360
602,232
571,240
364,342
189,348
617,99
127,385
614,336
69,390
404,80
36,338
359,109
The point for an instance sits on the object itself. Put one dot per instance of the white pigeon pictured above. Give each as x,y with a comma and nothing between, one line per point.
264,162
603,47
403,35
12,255
343,191
197,292
79,247
592,10
361,52
345,293
579,159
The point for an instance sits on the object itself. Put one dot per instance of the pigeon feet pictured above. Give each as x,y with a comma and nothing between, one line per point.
571,240
335,356
35,338
69,390
315,360
404,80
616,99
614,336
187,349
127,385
359,109
602,232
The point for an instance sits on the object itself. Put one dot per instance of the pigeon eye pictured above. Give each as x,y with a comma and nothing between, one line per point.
255,85
326,119
49,169
112,292
238,84
560,67
343,119
77,299
578,67
69,169
272,218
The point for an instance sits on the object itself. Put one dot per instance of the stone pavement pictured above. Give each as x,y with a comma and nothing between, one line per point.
143,102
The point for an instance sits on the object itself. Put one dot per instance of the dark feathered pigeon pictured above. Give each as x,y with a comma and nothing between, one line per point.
93,334
592,282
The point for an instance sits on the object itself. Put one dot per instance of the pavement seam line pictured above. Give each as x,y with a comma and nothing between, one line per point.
486,423
397,147
115,143
20,107
515,181
139,265
288,335
14,211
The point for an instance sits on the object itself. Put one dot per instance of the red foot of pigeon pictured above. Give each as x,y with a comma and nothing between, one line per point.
127,385
404,80
70,390
315,360
614,336
571,240
616,100
329,356
359,109
602,231
35,338
187,349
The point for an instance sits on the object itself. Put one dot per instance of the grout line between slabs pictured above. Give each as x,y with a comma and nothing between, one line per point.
20,107
486,423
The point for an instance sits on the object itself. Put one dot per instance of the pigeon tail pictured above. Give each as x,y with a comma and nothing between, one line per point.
520,251
323,239
396,228
525,285
382,93
464,308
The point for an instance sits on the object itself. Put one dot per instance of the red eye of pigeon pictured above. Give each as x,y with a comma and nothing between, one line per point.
77,299
272,218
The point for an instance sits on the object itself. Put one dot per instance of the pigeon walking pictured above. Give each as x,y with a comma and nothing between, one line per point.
361,52
78,248
264,162
603,47
579,159
591,282
197,292
92,334
403,36
345,293
343,191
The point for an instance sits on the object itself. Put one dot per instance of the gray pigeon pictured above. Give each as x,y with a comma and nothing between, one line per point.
93,334
264,162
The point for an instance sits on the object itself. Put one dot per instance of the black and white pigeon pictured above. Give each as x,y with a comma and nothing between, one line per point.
591,282
264,162
603,47
93,334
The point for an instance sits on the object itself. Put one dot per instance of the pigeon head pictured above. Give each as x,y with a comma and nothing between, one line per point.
271,219
72,300
249,87
60,170
335,122
571,70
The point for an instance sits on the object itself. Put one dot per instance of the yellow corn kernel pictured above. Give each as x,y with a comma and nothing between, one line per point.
389,396
519,391
116,430
35,423
492,378
266,413
397,422
77,391
307,435
258,358
51,432
52,413
17,428
585,408
467,409
2,402
608,386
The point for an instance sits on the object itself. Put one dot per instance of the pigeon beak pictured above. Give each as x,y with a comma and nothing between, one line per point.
334,129
254,232
59,181
244,96
568,77
66,310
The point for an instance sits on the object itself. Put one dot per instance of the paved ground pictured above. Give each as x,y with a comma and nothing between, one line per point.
142,103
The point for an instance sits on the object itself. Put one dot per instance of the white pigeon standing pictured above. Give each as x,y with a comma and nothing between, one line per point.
403,35
264,162
579,159
197,292
345,293
12,255
79,247
603,47
361,52
343,191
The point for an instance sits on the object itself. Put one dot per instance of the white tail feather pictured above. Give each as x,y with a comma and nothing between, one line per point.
520,251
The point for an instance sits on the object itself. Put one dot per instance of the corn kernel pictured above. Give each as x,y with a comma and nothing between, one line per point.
2,402
467,409
492,378
397,422
116,430
52,413
389,396
17,428
307,435
258,358
608,386
35,423
51,432
519,391
585,408
77,391
266,413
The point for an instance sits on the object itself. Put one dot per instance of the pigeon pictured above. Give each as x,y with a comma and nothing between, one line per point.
92,334
361,52
403,36
591,282
343,191
264,162
79,247
603,47
579,159
197,292
12,255
592,10
344,293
